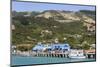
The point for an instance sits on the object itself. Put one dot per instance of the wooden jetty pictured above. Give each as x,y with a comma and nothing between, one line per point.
44,54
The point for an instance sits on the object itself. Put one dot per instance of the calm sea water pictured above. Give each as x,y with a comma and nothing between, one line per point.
19,60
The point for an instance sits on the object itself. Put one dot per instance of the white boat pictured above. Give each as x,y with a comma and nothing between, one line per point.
77,57
76,54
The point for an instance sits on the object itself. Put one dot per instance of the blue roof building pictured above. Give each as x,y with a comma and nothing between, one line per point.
51,47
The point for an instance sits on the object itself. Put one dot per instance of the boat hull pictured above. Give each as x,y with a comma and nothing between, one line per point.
77,57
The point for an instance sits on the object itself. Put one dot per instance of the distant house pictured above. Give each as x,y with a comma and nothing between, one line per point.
52,47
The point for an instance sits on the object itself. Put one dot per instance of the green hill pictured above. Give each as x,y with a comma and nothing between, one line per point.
30,29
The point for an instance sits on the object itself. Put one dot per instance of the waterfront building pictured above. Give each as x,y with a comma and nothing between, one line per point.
90,53
51,47
52,50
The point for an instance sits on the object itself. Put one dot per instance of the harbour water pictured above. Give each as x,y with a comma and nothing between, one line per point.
21,60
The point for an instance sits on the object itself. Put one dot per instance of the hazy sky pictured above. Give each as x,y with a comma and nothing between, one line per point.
31,6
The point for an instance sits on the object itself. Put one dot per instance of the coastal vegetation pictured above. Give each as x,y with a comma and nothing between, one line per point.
31,29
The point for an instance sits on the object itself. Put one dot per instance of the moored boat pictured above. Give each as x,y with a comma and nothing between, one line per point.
77,57
76,54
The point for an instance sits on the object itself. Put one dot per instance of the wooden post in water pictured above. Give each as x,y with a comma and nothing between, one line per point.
58,55
52,55
63,55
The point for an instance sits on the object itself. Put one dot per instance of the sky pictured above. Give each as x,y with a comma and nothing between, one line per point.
32,6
